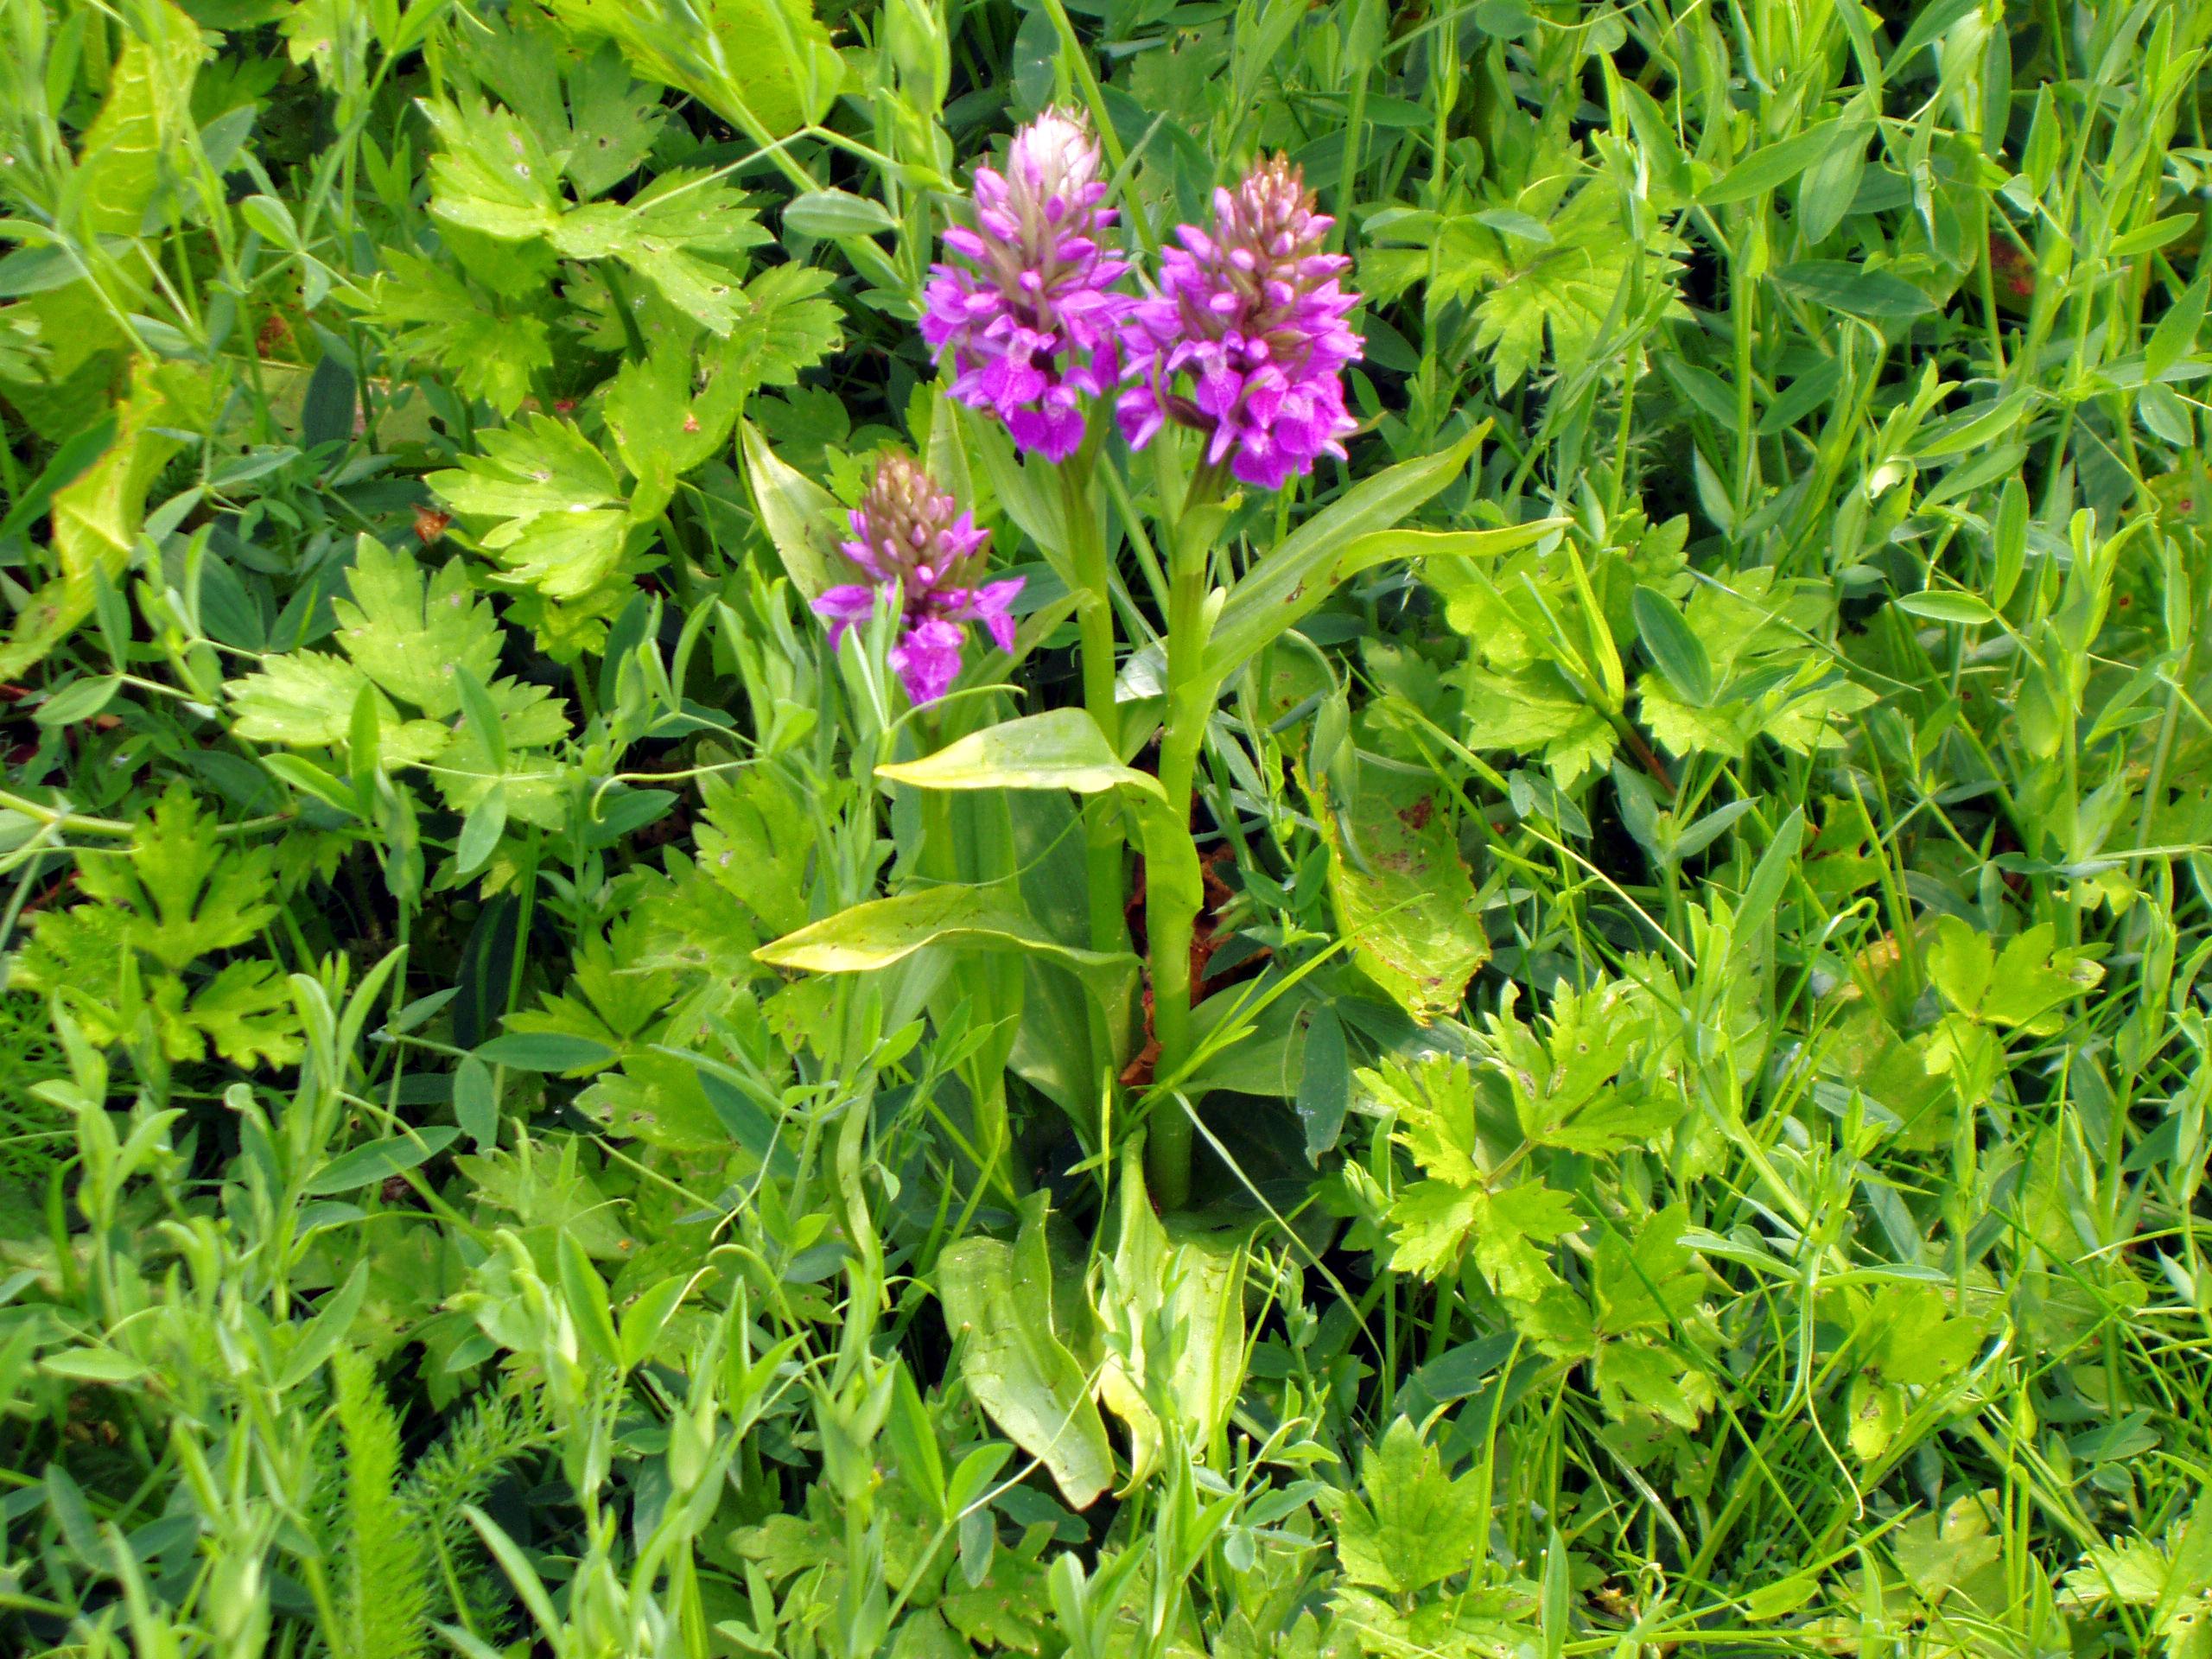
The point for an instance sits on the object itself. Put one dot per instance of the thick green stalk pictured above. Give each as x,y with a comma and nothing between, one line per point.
940,860
1102,838
1171,912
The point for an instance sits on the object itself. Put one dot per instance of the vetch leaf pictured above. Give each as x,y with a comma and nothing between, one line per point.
1854,290
104,1365
1954,606
481,832
1675,652
79,701
645,1320
379,1160
334,1320
475,1104
544,1051
825,213
1774,165
585,1292
1324,1083
2178,331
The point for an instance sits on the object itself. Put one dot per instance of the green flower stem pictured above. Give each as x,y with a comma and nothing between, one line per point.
53,817
1102,836
941,861
1170,914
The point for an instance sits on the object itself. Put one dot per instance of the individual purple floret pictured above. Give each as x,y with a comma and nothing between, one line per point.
1032,327
1252,314
922,556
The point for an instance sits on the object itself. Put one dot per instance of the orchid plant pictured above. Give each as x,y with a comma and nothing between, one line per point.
1224,369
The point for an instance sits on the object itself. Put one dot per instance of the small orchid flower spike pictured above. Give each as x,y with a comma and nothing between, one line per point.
1029,317
1253,315
921,555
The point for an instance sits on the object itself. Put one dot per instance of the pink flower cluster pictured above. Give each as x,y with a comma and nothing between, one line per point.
922,555
1031,327
1244,338
1252,314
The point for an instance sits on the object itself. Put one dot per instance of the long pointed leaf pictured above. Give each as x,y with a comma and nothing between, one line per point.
997,1301
1062,749
886,931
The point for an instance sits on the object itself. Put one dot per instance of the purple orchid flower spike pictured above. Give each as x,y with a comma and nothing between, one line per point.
1253,314
1033,326
921,556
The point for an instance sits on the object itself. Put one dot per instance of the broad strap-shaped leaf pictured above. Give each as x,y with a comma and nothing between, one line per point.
97,515
801,517
1020,490
883,931
1351,534
1183,1282
1303,559
146,113
766,65
1061,748
1402,896
998,1300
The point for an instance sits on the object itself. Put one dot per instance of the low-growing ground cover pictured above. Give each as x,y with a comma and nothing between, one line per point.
1112,828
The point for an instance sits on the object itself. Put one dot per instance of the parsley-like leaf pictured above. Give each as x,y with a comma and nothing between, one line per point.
493,347
563,518
1567,1086
1410,1525
187,893
410,639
